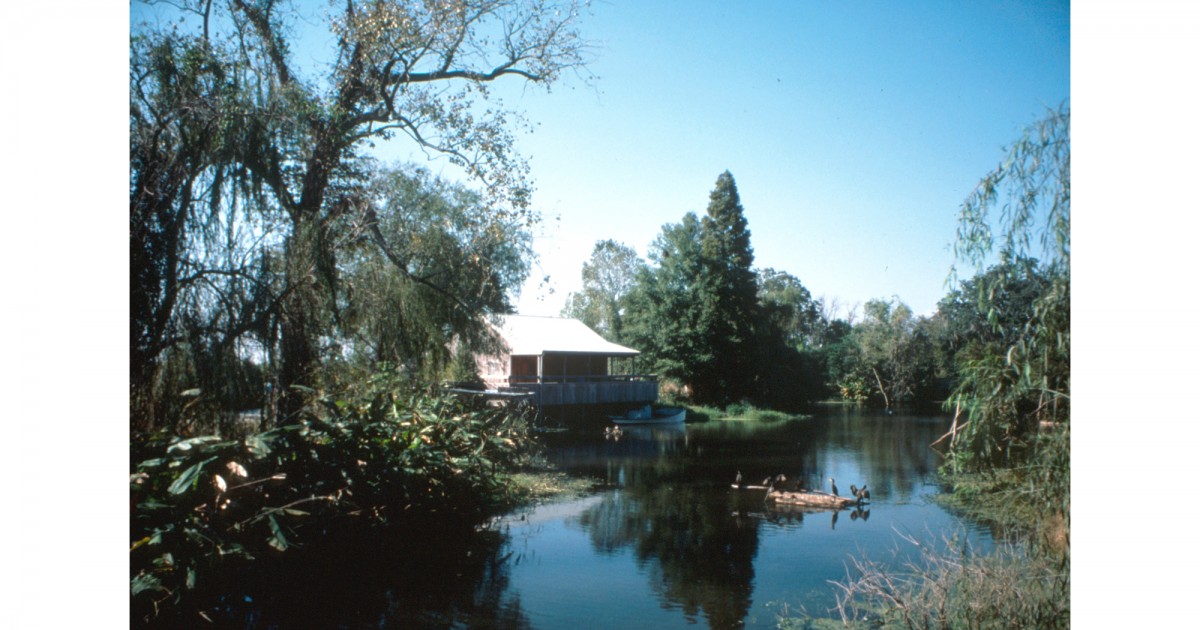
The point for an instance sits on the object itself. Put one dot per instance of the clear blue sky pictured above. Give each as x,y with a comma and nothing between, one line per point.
854,132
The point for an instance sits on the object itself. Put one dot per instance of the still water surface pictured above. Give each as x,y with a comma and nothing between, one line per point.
663,542
667,543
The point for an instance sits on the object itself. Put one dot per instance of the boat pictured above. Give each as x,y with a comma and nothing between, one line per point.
647,415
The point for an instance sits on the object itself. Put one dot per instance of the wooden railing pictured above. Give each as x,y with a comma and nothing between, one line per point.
587,389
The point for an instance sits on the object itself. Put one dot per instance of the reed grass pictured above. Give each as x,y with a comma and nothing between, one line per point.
949,586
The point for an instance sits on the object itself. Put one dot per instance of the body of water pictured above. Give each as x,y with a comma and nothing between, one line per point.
663,541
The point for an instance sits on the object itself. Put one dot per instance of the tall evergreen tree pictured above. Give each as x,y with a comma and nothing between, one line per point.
728,298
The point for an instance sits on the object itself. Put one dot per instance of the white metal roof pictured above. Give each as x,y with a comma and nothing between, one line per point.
530,334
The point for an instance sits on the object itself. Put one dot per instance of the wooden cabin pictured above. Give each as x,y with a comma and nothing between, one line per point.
561,361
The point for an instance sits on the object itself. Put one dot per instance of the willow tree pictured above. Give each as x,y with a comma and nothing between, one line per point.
201,231
1014,402
457,258
304,112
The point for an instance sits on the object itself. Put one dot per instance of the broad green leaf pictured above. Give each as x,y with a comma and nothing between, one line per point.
277,540
258,446
187,477
145,582
186,445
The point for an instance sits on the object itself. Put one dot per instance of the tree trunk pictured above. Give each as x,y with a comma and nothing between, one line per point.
887,404
297,331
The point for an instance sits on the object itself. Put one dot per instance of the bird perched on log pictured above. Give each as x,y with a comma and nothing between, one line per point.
864,494
831,482
853,490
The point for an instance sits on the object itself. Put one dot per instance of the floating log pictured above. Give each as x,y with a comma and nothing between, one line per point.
811,499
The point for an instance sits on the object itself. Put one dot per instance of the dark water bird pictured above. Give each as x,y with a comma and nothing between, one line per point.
835,492
853,490
864,494
738,480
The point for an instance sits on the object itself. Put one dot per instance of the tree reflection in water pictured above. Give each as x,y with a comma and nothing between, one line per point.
699,557
697,542
439,579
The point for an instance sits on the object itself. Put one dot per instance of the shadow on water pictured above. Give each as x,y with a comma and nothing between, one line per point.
432,579
665,542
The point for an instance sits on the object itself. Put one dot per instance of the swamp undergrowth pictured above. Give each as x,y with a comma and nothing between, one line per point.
379,459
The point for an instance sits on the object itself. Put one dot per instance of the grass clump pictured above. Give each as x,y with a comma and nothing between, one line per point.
951,587
738,412
1008,588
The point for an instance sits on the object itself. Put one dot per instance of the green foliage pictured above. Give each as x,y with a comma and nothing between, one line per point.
251,192
704,318
728,299
608,278
790,368
693,313
380,458
1031,190
433,258
747,411
788,308
1012,403
1015,387
887,358
663,320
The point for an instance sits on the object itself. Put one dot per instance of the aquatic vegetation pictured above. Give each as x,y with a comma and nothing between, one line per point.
382,460
949,586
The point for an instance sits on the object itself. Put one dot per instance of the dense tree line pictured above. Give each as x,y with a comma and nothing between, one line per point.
266,245
700,312
725,332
